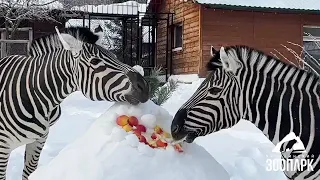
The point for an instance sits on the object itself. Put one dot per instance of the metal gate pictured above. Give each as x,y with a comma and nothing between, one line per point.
128,31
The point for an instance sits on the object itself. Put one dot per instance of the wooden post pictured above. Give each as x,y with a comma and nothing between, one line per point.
3,45
30,40
4,41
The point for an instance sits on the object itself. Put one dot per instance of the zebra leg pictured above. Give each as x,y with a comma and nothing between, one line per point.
32,155
4,158
33,150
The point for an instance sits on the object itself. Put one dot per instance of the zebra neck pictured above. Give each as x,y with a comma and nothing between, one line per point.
54,79
281,101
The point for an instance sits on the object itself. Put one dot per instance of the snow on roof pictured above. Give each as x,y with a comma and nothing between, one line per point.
129,7
282,4
51,5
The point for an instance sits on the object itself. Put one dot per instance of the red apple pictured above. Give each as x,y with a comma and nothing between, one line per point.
161,143
154,136
142,139
141,128
133,121
122,120
136,132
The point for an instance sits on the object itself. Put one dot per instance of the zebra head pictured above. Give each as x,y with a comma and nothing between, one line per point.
99,75
211,108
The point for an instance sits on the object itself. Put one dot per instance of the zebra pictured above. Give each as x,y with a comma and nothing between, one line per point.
33,86
246,83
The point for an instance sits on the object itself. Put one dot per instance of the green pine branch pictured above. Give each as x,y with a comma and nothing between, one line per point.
159,92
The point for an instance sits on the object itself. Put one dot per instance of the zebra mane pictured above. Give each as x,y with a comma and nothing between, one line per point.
51,41
241,50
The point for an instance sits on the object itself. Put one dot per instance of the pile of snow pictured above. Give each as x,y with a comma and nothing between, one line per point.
242,150
106,151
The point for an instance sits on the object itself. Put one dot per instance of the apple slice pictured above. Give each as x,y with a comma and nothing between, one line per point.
161,143
127,128
158,129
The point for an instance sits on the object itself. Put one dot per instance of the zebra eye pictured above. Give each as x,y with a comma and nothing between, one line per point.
95,61
214,90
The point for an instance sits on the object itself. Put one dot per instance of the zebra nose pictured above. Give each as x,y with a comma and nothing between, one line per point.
140,87
177,130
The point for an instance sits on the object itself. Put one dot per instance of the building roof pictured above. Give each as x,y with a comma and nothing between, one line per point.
304,5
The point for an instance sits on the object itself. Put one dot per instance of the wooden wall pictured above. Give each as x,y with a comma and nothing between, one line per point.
40,28
187,13
262,30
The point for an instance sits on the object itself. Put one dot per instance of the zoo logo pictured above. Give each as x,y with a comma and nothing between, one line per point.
293,160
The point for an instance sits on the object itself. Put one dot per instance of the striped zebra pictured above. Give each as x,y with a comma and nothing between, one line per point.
33,86
245,83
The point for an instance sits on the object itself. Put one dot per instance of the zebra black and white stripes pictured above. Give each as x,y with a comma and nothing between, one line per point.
246,83
32,88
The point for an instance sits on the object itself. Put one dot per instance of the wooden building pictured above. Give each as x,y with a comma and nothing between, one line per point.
198,24
29,30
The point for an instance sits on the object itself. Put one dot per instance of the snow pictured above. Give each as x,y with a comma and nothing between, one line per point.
148,120
121,156
147,34
241,150
51,5
139,69
188,78
128,7
106,40
286,4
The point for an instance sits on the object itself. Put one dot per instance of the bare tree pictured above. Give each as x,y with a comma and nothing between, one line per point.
14,12
313,65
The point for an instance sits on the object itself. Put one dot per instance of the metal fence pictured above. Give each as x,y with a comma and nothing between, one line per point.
127,29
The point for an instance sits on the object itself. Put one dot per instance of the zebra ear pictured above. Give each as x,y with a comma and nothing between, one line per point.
69,42
213,51
99,32
228,63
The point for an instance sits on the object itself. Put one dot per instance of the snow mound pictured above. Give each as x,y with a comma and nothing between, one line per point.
107,151
186,78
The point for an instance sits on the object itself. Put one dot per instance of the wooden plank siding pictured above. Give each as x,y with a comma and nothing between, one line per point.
187,60
266,31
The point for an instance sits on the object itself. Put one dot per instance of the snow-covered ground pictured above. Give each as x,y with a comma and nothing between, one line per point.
242,150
